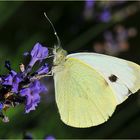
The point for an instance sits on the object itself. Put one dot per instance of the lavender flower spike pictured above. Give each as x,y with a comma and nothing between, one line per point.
24,86
38,53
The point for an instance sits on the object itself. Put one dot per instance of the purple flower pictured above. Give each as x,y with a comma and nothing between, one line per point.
105,16
12,79
43,70
89,4
88,11
32,95
38,53
15,84
50,138
1,106
8,80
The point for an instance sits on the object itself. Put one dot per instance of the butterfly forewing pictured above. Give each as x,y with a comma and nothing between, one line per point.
122,76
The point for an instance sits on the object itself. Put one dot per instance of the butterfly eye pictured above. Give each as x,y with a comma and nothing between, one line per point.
60,56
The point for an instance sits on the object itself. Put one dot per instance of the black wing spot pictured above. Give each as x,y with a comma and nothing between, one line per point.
113,78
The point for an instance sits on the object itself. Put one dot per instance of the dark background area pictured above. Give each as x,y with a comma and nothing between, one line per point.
22,24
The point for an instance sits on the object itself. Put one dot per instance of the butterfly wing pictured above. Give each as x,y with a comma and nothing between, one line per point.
122,76
83,96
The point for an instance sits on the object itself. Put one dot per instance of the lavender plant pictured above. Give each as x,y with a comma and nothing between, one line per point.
116,41
100,10
23,87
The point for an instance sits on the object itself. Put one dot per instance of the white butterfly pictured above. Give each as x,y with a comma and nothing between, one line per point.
89,86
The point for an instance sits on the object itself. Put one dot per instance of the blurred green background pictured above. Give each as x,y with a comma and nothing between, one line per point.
22,24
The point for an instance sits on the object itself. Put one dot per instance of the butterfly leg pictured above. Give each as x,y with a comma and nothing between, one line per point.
38,77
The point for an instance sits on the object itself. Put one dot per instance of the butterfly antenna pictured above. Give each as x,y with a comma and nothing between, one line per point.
55,33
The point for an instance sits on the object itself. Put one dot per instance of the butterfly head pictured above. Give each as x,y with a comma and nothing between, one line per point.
59,56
